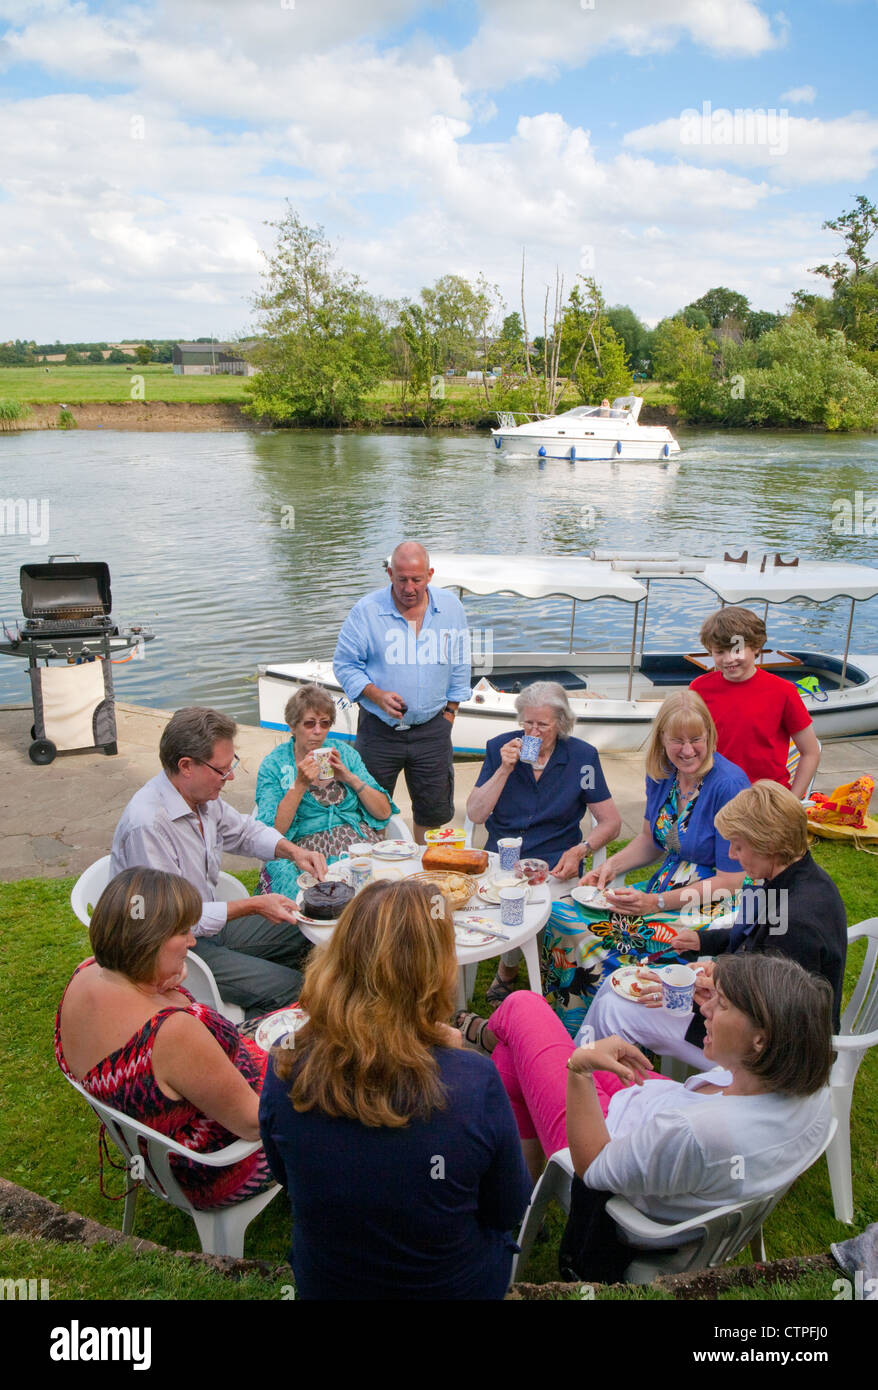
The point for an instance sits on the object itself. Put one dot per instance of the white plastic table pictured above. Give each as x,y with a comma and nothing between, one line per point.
536,915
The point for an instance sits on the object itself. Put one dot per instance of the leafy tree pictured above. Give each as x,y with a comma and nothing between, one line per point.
678,350
117,355
761,321
143,353
73,358
631,332
96,356
508,350
854,286
459,316
695,318
720,303
322,345
590,350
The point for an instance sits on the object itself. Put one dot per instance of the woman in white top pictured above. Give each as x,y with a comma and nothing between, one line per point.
740,1130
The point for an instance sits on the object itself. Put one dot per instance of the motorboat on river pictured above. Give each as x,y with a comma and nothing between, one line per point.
615,694
586,432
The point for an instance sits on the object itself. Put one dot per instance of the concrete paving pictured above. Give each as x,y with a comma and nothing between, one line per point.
56,820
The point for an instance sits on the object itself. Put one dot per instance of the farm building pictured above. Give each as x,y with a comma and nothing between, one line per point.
210,359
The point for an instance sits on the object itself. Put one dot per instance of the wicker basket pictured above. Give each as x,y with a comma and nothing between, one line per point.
457,889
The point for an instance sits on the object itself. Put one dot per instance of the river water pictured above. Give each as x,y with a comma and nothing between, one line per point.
239,548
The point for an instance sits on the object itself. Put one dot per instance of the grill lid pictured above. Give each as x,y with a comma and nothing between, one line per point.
66,590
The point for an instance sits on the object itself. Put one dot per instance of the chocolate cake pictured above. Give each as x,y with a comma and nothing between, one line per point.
325,901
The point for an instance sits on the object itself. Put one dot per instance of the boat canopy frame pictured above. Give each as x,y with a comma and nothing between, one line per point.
626,576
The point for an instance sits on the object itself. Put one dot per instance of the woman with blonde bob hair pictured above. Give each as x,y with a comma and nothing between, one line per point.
398,1149
794,909
687,783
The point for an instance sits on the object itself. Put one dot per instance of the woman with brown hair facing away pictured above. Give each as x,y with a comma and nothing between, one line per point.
398,1149
132,1036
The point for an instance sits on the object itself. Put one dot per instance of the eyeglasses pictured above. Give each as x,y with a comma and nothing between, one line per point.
316,723
542,728
679,743
229,772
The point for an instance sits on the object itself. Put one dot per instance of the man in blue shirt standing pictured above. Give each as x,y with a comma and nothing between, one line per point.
403,654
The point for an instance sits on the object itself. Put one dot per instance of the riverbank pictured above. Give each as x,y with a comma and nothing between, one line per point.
195,415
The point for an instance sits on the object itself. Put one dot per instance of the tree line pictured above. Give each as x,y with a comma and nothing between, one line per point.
325,343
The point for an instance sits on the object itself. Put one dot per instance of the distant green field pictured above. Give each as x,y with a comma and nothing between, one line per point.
78,385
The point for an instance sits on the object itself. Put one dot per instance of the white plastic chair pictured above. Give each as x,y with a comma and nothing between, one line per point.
702,1242
220,1229
200,979
859,1032
396,829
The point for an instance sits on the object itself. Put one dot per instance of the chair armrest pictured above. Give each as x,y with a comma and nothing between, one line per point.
640,1227
854,1042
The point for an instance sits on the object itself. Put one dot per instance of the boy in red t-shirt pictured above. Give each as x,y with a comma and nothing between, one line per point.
756,713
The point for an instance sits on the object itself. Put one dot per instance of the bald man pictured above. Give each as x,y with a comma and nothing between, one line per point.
403,655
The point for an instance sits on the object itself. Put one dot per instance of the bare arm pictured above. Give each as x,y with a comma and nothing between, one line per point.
607,825
809,749
587,1131
189,1062
639,851
483,799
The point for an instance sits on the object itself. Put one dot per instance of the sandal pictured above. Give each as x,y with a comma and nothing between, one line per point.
499,990
472,1028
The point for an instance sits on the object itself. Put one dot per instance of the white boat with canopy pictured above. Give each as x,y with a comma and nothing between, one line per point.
615,694
586,432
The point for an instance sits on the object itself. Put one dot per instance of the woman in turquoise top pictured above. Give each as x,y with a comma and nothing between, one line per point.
326,814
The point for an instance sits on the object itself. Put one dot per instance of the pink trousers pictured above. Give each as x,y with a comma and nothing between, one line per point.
531,1056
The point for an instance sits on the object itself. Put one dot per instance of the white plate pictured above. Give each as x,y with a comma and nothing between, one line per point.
466,929
277,1025
395,849
622,981
594,901
490,894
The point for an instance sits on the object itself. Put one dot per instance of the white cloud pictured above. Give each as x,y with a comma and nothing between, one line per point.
518,38
800,96
795,149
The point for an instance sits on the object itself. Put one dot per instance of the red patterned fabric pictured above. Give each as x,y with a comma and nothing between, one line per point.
125,1080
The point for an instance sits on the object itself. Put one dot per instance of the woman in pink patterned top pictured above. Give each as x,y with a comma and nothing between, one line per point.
129,1033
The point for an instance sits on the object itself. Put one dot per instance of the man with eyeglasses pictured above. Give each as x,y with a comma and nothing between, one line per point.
403,655
179,823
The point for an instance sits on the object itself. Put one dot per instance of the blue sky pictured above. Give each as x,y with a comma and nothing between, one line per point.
145,148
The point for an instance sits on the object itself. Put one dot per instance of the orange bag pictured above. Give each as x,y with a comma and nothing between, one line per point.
847,805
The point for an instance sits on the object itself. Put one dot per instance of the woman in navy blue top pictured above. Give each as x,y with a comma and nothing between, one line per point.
687,783
543,802
398,1149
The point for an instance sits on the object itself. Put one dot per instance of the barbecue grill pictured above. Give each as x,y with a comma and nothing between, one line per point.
67,619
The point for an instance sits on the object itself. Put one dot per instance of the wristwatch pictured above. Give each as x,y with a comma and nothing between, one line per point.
449,709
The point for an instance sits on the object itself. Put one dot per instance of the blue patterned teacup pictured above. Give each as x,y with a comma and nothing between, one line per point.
509,851
530,748
678,986
512,905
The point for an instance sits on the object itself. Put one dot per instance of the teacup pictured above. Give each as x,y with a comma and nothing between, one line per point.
530,748
359,872
512,905
322,759
509,851
678,987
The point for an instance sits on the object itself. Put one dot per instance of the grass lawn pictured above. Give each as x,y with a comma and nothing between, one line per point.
79,385
49,1137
